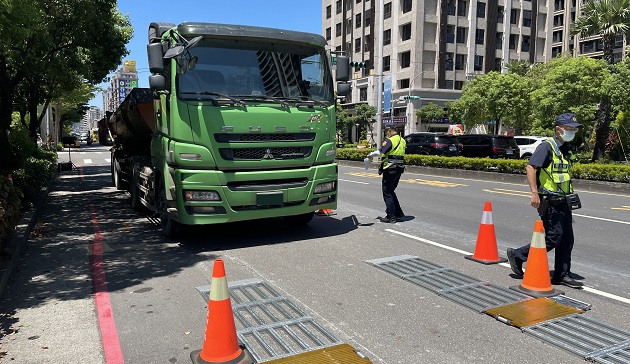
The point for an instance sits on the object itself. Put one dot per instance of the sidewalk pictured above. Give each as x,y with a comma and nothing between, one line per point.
48,289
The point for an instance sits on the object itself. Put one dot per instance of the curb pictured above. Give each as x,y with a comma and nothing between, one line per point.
579,184
19,237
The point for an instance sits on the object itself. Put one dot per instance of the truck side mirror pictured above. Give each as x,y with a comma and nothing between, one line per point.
343,68
157,83
154,52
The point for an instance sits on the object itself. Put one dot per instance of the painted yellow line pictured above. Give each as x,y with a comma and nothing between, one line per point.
506,193
417,180
625,208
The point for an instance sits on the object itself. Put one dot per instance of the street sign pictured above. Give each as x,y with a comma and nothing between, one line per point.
412,97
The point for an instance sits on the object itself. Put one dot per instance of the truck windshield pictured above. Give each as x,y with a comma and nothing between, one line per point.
278,74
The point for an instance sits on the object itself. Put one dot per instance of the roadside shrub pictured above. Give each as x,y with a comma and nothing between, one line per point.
614,172
10,207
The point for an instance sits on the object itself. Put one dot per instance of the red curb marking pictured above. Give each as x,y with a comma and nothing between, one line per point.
109,335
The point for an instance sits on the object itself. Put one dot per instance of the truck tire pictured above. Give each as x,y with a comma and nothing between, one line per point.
118,181
170,227
136,205
301,219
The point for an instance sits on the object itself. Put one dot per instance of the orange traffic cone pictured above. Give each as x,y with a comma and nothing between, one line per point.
486,250
324,212
536,281
220,343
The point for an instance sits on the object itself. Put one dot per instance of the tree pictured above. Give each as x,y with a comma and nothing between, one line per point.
566,84
364,116
430,112
504,98
344,123
517,66
608,19
46,45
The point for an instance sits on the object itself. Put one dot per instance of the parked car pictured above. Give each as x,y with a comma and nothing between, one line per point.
528,144
489,145
432,144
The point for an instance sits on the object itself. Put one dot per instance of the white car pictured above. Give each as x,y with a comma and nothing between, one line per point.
528,144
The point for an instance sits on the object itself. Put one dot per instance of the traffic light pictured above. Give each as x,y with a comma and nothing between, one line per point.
358,65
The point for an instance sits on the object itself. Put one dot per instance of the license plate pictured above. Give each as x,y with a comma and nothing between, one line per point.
452,148
509,151
269,199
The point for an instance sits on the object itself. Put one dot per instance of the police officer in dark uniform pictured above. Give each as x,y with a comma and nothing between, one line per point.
552,194
391,167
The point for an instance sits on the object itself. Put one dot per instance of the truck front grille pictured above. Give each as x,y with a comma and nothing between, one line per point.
265,153
262,137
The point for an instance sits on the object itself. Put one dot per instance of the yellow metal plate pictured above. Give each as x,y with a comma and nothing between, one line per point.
526,313
343,353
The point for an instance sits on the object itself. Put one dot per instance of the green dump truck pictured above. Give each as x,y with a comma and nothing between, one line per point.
238,123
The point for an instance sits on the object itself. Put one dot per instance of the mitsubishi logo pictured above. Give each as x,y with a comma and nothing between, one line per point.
268,154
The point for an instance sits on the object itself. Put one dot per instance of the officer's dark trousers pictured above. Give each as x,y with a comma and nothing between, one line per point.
558,224
390,182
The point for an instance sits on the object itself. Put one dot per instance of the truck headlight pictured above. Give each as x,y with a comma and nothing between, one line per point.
201,196
324,187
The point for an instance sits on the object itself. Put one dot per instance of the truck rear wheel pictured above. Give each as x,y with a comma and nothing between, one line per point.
170,227
118,181
301,219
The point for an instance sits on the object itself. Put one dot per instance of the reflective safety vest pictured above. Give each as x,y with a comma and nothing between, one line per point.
397,153
555,179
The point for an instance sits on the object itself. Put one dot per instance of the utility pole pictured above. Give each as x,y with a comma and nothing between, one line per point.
379,89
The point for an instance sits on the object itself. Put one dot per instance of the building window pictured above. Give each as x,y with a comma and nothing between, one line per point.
338,48
405,59
357,21
498,64
387,10
461,35
527,18
406,6
387,37
327,33
558,20
339,6
358,1
363,94
338,29
404,83
459,85
405,32
556,51
460,61
481,9
478,63
357,44
368,41
556,36
513,40
448,64
450,34
348,26
525,43
514,16
386,63
498,42
558,5
462,8
479,33
500,13
450,9
328,11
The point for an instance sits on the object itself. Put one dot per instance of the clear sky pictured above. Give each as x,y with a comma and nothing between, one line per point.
301,15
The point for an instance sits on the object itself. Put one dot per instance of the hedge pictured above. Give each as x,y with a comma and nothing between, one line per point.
589,171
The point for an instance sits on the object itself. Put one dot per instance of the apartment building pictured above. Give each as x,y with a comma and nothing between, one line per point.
432,47
564,14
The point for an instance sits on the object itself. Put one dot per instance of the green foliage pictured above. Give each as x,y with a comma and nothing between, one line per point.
430,112
590,171
10,207
22,146
34,174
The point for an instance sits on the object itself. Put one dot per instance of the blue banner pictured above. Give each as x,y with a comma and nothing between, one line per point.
387,93
122,90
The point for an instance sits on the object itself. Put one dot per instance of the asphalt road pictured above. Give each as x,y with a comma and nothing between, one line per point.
52,315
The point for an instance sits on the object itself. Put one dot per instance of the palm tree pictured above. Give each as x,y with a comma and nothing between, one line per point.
607,18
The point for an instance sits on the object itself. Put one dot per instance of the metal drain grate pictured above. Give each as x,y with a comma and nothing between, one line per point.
585,337
271,326
453,285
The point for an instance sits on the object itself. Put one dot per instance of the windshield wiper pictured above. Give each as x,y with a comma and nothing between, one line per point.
264,98
209,93
307,101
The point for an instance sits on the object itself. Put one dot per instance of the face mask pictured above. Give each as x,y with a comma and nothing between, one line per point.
568,135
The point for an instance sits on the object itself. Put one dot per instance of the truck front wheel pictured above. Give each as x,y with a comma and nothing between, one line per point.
170,227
